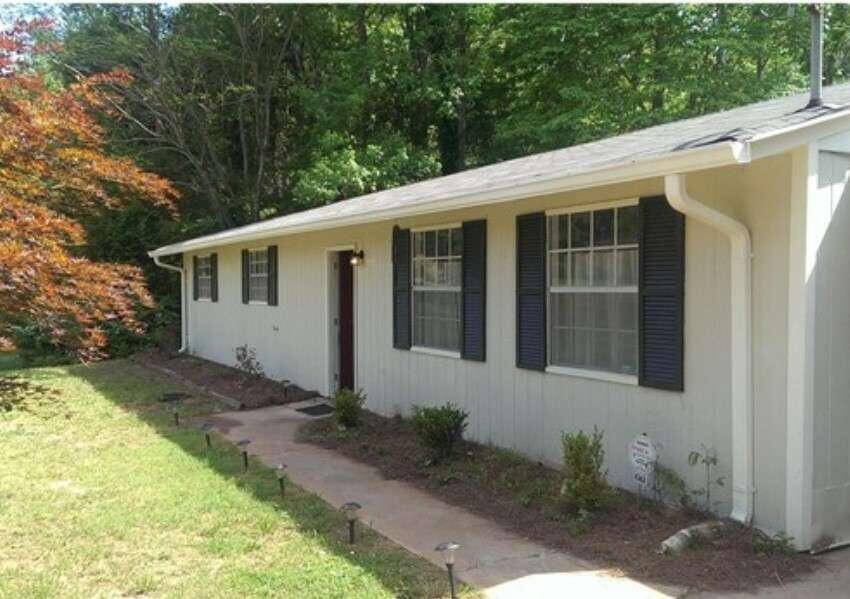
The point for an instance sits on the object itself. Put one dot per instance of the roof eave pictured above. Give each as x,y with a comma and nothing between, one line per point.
787,138
682,161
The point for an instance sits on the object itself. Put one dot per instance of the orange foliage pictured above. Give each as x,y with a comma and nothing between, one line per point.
53,168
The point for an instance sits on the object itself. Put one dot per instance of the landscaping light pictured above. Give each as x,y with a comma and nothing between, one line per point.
357,258
176,411
244,445
448,550
206,427
351,508
281,478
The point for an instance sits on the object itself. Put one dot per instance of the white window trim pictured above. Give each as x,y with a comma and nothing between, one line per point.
205,299
443,288
572,371
257,249
598,375
432,351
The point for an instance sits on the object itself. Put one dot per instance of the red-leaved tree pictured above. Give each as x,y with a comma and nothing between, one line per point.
54,168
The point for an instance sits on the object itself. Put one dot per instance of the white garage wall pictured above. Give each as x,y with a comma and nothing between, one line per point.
527,410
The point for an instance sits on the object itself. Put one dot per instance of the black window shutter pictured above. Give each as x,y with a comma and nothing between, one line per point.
662,295
272,278
401,288
214,277
474,294
194,277
245,276
531,291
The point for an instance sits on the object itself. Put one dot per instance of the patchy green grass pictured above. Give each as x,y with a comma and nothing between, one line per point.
9,360
101,495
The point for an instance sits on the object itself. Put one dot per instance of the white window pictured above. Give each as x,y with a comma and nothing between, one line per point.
593,289
258,276
437,288
204,277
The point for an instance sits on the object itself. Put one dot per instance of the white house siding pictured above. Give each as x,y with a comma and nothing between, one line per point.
831,409
527,410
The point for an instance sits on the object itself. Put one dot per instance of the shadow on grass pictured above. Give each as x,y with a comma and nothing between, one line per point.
137,389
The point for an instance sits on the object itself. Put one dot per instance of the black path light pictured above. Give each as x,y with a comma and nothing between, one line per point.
176,411
207,427
448,550
243,444
351,508
280,471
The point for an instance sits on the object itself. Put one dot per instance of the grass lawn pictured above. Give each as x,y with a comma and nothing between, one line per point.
101,495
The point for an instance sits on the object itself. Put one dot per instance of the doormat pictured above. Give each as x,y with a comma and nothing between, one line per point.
321,409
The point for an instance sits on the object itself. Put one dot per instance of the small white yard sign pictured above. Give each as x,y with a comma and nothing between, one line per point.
642,454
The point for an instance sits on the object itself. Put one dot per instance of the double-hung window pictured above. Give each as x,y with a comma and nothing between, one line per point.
593,289
204,276
437,268
258,275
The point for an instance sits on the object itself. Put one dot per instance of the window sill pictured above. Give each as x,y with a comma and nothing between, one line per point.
599,375
204,299
256,303
435,352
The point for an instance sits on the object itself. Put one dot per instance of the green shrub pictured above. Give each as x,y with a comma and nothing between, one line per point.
347,406
764,544
35,347
584,487
439,429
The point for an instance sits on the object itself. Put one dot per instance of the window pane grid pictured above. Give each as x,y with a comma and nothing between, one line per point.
258,279
204,277
437,270
593,263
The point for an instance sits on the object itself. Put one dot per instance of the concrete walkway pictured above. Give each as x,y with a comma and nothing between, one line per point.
501,563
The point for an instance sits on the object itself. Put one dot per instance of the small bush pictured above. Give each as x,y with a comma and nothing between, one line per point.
347,407
669,486
439,429
579,524
247,362
584,487
781,544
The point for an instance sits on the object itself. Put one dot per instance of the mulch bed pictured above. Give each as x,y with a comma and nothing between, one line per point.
522,496
249,391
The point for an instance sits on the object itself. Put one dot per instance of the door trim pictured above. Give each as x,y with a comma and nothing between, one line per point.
330,346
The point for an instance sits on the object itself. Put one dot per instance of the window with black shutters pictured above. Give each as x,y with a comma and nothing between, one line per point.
204,277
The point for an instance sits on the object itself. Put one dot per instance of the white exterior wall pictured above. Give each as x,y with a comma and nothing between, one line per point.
527,410
831,380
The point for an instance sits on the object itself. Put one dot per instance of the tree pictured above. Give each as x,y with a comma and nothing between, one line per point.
53,170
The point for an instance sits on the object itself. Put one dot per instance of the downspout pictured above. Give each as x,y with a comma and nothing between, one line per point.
184,326
741,334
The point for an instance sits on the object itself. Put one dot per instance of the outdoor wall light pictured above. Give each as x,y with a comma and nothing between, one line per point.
281,478
243,444
357,258
207,427
351,508
448,550
176,411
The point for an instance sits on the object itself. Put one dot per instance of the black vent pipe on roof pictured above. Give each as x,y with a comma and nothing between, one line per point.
816,56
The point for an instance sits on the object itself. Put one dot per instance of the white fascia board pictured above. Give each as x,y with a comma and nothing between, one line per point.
782,140
715,155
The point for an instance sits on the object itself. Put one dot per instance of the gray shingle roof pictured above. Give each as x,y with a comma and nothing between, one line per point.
737,125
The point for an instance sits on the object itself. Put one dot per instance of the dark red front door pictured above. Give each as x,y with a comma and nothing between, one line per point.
346,321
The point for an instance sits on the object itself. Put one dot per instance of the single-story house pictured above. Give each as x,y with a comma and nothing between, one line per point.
690,281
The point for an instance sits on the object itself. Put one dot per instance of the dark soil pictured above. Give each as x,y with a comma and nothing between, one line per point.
523,496
250,391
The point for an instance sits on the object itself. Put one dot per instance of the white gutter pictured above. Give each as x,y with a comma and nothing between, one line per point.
741,335
184,326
